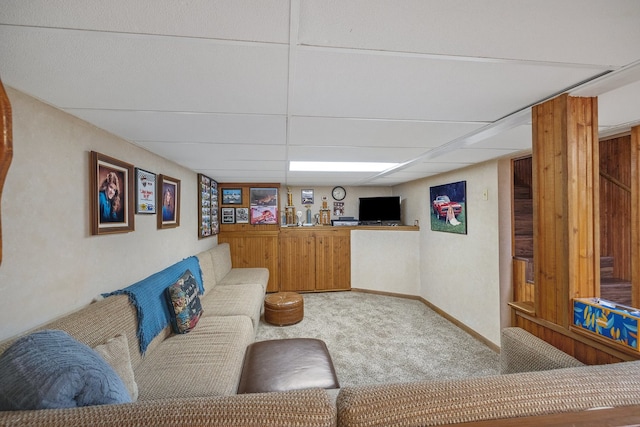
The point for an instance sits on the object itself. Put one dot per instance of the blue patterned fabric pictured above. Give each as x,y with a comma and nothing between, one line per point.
149,299
184,304
50,369
607,320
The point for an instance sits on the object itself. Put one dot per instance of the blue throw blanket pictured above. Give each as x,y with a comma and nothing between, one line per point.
149,300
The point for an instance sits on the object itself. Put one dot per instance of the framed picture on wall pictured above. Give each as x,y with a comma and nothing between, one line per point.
207,207
242,215
169,201
307,197
111,198
145,192
449,207
264,205
228,215
232,196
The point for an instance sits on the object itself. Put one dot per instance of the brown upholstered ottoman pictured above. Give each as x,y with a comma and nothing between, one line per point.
283,308
287,364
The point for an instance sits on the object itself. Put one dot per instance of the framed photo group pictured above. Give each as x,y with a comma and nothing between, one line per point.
208,207
249,205
118,190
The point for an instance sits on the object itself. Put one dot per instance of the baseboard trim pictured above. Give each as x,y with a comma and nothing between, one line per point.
442,313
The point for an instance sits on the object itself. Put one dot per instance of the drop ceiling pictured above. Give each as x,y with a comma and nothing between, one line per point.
236,89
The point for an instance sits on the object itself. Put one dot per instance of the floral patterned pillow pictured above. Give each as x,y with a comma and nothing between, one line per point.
184,303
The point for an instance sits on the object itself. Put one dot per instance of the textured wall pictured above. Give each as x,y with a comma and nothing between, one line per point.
460,274
51,263
386,261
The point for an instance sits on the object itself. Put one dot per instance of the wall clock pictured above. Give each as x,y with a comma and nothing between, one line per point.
338,193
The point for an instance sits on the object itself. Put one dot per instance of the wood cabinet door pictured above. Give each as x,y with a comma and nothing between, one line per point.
297,261
333,260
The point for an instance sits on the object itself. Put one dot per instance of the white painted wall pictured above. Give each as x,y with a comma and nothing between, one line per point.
460,274
51,263
386,261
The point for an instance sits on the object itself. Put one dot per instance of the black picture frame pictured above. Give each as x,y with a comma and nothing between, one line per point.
228,215
242,215
231,196
449,207
208,224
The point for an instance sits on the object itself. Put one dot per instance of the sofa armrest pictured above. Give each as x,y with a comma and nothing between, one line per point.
313,408
465,400
521,351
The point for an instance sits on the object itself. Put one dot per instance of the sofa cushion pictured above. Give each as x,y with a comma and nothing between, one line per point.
256,275
242,299
116,352
51,369
184,303
205,362
208,273
221,256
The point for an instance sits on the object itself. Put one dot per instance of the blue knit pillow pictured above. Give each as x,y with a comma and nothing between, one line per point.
51,369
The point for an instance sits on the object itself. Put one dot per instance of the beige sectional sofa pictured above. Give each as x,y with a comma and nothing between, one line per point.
191,379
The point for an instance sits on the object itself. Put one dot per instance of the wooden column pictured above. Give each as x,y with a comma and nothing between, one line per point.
565,204
6,144
635,216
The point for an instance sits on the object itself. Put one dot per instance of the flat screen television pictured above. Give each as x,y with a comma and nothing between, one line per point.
379,210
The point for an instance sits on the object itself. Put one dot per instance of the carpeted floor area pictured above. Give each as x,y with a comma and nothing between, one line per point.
381,339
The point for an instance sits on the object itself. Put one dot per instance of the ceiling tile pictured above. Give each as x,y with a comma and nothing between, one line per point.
188,127
334,131
353,154
619,106
473,155
197,154
583,31
266,20
518,138
106,71
373,85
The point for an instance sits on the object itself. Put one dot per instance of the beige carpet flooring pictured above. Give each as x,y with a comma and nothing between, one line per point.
381,339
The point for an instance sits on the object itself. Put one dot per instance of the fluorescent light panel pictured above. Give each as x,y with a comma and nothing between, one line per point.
298,166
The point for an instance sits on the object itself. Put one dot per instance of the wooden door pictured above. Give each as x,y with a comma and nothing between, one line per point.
297,260
333,260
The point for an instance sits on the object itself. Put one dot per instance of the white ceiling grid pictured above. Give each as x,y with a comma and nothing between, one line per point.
237,89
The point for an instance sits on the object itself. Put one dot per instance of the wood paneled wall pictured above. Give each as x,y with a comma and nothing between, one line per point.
6,143
635,215
565,187
581,347
254,249
522,171
615,204
252,245
523,291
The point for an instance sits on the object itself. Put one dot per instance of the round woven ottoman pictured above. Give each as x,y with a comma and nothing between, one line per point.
283,308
